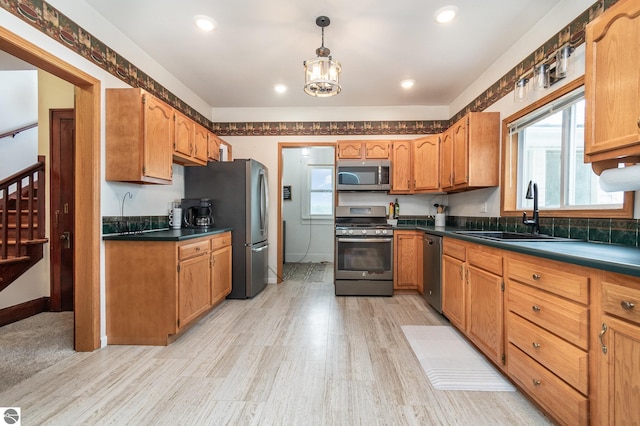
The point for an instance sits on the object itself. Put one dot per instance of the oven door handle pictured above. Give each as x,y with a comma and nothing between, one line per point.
365,240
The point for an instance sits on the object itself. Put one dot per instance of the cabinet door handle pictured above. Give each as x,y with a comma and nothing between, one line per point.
535,308
627,306
536,277
461,277
536,382
638,122
600,336
536,345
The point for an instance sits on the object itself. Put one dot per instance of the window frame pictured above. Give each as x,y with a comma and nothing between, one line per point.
306,211
509,175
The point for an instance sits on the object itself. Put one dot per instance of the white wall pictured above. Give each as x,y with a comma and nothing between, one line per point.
307,240
18,107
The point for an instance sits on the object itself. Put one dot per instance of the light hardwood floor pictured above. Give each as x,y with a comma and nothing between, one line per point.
293,355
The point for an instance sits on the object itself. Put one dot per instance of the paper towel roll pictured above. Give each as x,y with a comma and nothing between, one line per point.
624,179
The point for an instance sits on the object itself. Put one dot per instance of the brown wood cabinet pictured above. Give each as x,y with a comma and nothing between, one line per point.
402,167
470,158
220,267
363,150
415,165
612,85
407,273
189,137
617,351
157,289
454,300
472,294
139,137
547,333
213,147
485,301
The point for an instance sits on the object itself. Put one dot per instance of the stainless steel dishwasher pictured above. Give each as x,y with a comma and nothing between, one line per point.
432,274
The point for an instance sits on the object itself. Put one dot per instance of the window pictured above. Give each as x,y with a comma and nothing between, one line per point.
320,190
545,144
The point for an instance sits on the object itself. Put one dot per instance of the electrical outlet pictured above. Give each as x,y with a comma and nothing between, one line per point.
483,207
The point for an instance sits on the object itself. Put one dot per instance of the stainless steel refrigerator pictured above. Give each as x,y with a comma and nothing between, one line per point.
238,190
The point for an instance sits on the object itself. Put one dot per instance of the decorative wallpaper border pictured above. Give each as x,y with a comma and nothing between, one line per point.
44,17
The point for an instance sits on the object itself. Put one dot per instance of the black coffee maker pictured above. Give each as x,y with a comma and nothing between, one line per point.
197,212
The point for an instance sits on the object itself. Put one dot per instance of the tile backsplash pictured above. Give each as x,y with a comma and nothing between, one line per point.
610,231
133,224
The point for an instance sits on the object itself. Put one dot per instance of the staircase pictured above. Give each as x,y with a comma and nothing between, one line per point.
22,214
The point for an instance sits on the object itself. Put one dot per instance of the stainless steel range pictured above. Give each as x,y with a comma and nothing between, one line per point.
364,252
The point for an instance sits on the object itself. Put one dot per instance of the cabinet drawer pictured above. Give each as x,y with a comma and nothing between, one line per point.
220,241
560,399
621,301
454,248
556,277
559,356
559,316
486,258
193,249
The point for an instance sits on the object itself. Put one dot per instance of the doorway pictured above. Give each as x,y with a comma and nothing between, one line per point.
62,165
306,194
86,190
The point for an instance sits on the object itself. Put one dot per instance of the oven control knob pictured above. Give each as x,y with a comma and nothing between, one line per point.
344,231
350,231
384,231
364,232
377,232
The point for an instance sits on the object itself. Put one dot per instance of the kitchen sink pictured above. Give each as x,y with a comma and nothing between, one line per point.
511,236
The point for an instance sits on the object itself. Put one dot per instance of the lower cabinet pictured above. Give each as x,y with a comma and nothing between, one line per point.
617,351
407,273
220,268
472,294
156,289
547,333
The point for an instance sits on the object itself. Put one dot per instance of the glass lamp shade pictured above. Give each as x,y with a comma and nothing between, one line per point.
520,90
541,77
322,77
563,63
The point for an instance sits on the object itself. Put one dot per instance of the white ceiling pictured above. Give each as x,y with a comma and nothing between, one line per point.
378,42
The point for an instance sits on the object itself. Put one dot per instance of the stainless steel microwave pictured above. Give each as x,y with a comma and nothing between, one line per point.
363,175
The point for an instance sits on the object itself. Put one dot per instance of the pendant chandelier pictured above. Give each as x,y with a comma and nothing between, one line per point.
322,74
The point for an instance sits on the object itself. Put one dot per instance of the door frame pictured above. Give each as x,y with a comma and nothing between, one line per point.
281,146
87,190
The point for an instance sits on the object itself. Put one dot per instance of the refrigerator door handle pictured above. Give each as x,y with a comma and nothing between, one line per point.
256,250
264,203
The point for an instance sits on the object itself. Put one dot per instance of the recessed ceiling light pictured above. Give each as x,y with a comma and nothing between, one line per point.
280,88
407,84
204,23
445,14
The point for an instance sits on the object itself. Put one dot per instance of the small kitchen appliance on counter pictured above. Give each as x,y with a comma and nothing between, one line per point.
197,213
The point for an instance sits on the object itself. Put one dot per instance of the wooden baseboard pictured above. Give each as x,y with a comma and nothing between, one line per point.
23,310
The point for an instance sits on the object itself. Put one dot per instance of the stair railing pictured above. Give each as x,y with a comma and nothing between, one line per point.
21,186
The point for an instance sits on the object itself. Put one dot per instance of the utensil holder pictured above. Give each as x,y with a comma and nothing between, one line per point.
440,219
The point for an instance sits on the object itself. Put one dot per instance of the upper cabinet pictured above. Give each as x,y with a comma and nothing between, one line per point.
139,137
470,152
213,147
612,84
189,138
364,150
415,165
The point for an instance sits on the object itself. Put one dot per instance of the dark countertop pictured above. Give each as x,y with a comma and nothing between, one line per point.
166,235
608,257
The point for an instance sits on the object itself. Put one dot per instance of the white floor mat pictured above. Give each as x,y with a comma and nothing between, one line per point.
450,362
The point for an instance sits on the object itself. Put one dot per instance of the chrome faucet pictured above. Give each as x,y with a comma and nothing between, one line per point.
532,194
